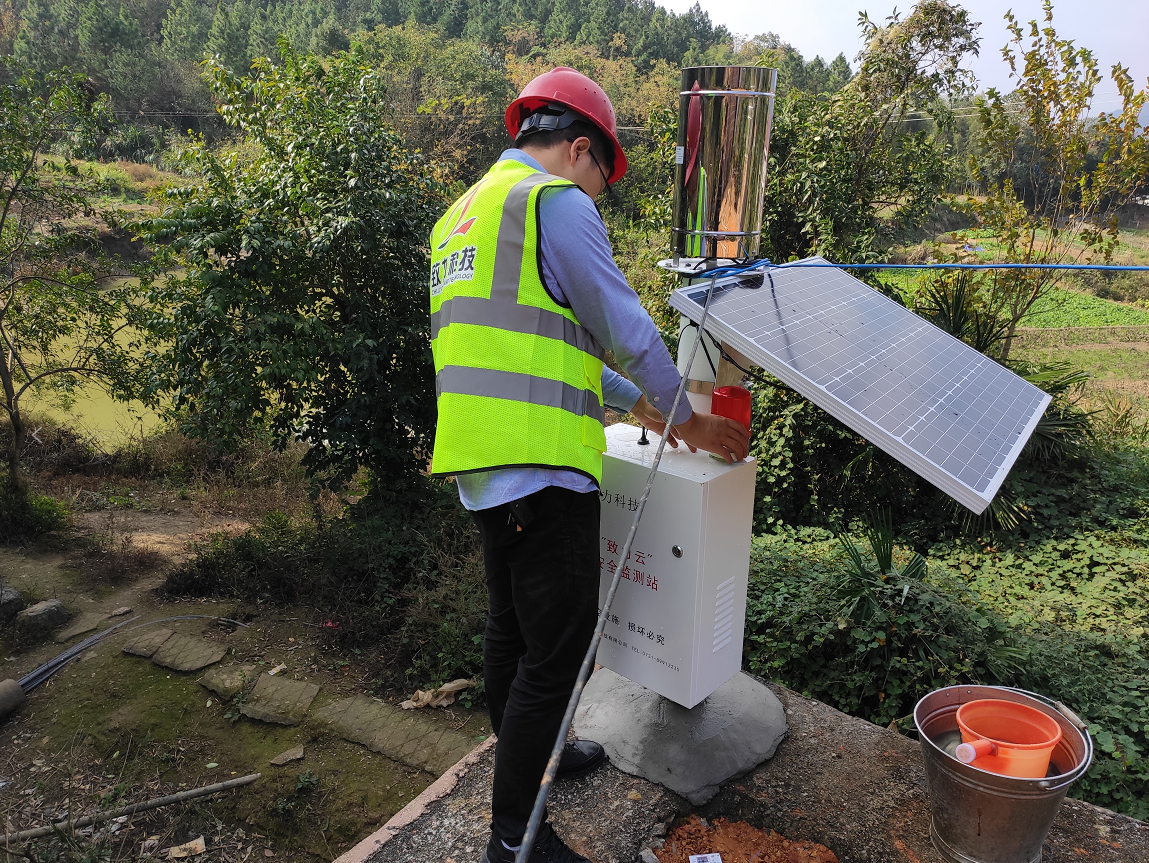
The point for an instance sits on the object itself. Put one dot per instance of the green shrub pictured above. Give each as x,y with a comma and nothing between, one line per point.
402,571
1063,617
872,659
25,516
813,470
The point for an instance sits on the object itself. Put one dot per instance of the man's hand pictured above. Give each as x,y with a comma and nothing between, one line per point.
717,434
652,419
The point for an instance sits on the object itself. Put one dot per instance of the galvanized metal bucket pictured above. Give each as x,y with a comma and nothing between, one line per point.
982,817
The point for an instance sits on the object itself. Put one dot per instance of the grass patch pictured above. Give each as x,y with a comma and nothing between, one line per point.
1105,363
1064,308
1118,389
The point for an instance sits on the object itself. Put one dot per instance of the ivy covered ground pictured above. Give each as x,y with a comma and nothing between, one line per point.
1065,308
1057,605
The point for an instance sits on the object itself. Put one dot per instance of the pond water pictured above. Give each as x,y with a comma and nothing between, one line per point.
95,415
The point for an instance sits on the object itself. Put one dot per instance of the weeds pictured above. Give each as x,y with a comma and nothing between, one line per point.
444,614
1059,614
113,557
233,713
306,782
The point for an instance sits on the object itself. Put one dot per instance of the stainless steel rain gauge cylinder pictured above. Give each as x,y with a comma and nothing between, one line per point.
724,119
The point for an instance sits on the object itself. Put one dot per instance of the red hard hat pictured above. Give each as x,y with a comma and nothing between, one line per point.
564,86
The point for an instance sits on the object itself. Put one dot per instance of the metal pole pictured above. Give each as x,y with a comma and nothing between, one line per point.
524,852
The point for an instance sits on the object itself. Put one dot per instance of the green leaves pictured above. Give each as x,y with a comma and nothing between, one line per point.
1063,616
68,312
304,306
823,618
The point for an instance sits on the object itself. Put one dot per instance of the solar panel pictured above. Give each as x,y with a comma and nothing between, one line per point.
947,412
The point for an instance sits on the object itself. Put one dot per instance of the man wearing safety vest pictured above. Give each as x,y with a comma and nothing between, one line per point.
525,301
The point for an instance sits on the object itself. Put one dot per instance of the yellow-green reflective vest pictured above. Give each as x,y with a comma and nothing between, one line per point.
518,380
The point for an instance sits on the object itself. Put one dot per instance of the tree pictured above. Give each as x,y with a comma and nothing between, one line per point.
9,27
329,38
845,175
1054,175
303,305
446,97
47,37
185,30
227,38
67,315
263,33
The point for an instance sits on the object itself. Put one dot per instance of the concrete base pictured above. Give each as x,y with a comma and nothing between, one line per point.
691,752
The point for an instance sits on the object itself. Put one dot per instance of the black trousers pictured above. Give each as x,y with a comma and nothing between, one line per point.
542,583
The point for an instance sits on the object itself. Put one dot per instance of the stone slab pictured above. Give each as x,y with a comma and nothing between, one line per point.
404,735
187,653
148,643
226,680
86,622
287,757
279,700
690,751
855,787
11,603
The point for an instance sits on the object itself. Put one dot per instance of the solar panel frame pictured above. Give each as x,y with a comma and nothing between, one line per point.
857,314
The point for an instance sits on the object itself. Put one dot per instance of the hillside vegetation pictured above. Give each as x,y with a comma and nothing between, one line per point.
284,163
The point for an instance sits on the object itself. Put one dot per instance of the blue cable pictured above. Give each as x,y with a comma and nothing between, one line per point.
1110,267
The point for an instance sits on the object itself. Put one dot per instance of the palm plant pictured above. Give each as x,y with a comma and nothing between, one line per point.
954,305
864,589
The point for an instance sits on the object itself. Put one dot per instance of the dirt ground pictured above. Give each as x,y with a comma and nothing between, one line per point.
111,729
738,842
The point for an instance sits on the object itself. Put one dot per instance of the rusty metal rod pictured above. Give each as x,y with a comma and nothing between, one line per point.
99,817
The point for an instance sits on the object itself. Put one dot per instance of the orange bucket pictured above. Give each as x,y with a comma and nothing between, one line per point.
1007,738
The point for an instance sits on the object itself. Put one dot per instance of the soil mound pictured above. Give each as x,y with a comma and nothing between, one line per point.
738,842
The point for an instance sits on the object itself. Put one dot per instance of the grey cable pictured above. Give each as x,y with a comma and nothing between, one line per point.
524,852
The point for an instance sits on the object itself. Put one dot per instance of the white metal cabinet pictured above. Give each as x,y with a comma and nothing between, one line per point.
677,622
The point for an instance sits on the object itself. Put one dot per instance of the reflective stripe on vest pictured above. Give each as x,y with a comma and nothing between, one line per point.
515,387
516,318
518,380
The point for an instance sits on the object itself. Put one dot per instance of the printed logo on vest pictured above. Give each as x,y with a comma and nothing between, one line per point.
461,226
457,267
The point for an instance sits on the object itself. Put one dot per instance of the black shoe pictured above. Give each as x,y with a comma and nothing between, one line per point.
580,757
548,848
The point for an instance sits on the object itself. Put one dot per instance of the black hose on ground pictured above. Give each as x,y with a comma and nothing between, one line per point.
13,693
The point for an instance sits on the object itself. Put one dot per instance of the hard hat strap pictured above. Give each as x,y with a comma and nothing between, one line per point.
549,119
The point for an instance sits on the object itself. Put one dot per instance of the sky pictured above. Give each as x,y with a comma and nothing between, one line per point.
1114,30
